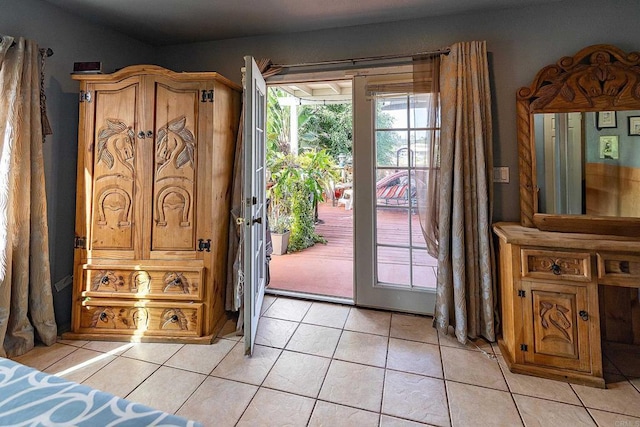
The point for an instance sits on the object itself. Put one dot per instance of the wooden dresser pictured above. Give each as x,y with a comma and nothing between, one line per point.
155,159
553,288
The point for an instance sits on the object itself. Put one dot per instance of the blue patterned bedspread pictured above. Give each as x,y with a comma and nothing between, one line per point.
32,398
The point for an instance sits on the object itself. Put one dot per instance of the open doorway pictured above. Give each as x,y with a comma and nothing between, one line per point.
310,189
363,201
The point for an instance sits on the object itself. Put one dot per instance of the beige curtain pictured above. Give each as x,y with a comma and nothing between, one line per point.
465,294
426,78
26,302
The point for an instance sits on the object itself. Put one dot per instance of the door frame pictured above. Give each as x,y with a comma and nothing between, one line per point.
366,292
370,293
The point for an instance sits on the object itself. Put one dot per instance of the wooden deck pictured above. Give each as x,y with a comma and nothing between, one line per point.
328,269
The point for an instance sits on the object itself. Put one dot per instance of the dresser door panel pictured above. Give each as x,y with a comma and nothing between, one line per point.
558,335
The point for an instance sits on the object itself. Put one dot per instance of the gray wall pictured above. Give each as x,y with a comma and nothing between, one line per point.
72,39
520,41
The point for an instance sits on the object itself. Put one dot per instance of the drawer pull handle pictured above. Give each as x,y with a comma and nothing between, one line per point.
583,315
174,318
556,269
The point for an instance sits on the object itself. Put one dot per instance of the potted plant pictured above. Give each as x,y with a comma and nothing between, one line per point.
282,177
296,185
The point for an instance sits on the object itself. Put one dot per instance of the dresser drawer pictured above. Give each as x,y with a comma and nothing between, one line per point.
556,265
156,282
140,318
619,269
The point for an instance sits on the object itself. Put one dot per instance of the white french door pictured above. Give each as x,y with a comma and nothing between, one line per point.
393,268
253,199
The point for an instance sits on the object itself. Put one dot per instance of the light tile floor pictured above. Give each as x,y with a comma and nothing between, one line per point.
321,364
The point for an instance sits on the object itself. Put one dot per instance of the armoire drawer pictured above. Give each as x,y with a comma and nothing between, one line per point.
139,318
556,265
619,269
157,283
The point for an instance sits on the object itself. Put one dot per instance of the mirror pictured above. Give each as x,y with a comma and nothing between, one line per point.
588,163
579,144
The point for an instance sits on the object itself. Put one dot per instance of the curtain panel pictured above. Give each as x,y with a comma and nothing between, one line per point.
26,301
465,294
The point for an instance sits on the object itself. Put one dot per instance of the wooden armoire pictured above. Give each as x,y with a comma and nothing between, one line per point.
155,160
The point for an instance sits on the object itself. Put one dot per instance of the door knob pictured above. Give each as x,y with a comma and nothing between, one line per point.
583,315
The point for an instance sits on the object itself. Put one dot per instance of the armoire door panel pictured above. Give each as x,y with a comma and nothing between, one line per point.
115,194
175,168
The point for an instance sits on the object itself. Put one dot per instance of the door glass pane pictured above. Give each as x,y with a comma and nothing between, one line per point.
424,269
394,265
418,111
393,111
401,171
392,227
391,148
417,236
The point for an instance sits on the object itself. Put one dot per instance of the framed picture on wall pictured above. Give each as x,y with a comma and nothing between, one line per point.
609,147
606,119
634,125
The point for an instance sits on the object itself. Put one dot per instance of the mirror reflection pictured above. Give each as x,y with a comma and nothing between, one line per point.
588,163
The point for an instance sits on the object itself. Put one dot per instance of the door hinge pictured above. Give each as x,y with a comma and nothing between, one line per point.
524,347
204,245
85,96
207,96
522,293
80,242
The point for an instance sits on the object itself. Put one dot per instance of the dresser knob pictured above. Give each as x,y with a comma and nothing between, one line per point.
556,269
583,315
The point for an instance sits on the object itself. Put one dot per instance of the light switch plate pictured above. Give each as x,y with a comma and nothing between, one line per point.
501,174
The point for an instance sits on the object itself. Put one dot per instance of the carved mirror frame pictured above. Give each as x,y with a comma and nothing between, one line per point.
597,78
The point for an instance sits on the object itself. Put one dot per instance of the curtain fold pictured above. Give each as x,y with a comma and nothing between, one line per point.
26,301
465,294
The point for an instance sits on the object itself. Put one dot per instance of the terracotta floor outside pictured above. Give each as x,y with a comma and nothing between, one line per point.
320,364
327,269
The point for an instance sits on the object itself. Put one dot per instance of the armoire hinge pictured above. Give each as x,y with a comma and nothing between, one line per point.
80,242
207,96
85,96
522,293
524,347
204,245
